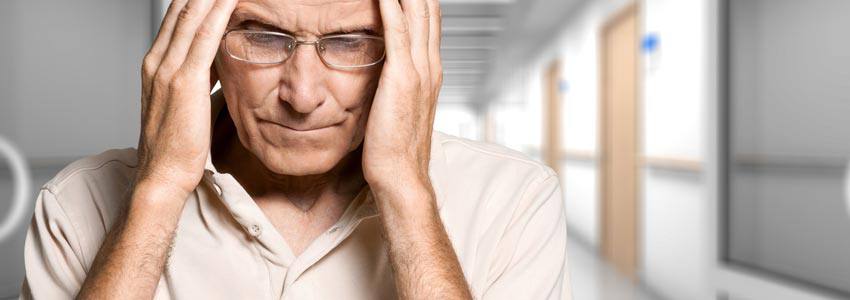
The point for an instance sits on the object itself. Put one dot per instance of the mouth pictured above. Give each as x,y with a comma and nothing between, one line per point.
304,129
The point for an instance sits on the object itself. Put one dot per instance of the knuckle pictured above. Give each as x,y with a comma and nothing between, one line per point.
159,88
175,4
148,67
160,82
438,71
217,5
424,11
401,27
166,70
186,13
177,83
204,32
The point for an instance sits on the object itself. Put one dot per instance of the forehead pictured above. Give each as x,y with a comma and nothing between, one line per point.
312,17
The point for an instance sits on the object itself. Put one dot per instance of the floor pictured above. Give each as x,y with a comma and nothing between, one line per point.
593,279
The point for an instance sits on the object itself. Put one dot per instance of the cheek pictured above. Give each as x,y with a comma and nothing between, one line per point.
250,84
354,93
353,89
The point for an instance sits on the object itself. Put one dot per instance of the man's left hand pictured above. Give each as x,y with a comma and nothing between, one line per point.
397,143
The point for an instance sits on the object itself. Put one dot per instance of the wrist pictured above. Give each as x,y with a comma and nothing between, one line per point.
396,178
171,180
405,201
158,194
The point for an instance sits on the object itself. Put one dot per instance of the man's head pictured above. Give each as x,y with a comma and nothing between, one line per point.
300,116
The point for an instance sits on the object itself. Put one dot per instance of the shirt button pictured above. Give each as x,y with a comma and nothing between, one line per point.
217,189
333,229
255,230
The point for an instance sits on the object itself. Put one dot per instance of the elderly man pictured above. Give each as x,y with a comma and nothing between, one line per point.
314,173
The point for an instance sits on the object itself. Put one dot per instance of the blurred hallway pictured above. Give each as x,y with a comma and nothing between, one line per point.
703,148
594,279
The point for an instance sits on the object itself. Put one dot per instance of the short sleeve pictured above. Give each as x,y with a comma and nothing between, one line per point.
54,268
537,238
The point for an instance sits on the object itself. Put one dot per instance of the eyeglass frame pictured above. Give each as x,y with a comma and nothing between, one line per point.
315,44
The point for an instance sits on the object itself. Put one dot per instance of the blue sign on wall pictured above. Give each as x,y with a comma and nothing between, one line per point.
650,42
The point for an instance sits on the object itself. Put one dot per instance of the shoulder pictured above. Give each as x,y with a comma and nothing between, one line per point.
93,188
101,170
491,180
477,160
493,200
87,196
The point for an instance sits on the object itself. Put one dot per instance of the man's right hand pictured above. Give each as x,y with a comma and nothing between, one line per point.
173,147
176,82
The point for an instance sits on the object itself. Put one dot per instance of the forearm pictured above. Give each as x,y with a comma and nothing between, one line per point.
421,254
133,255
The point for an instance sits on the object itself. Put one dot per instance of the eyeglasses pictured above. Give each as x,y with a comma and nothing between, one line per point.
343,51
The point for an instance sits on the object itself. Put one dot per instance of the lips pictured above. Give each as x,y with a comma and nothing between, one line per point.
304,128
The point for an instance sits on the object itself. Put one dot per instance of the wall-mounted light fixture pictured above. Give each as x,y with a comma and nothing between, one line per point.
21,195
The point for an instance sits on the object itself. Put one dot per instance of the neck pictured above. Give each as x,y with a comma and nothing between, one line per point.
339,184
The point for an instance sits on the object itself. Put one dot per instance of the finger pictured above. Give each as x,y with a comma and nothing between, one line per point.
166,29
436,64
153,58
188,21
208,38
417,16
396,34
434,42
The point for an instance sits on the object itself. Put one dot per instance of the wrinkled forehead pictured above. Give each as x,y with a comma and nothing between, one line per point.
311,17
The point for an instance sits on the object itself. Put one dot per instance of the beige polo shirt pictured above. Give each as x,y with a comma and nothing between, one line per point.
502,211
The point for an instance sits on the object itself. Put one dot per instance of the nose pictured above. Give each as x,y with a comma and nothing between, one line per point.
302,78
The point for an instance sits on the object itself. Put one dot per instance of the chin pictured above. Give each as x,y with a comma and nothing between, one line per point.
301,162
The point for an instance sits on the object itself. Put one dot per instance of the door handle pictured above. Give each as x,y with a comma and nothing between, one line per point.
21,183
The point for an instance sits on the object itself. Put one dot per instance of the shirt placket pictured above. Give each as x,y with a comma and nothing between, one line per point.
361,209
271,245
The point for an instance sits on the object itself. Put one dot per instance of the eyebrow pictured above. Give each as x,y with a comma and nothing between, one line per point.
252,21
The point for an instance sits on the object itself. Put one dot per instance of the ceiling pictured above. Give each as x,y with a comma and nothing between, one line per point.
484,39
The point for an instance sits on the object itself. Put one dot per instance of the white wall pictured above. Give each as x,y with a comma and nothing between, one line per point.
675,256
459,119
516,116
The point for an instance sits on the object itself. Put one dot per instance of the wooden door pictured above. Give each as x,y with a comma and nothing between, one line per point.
552,116
619,141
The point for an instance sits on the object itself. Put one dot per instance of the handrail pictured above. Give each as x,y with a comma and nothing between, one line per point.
789,161
652,162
